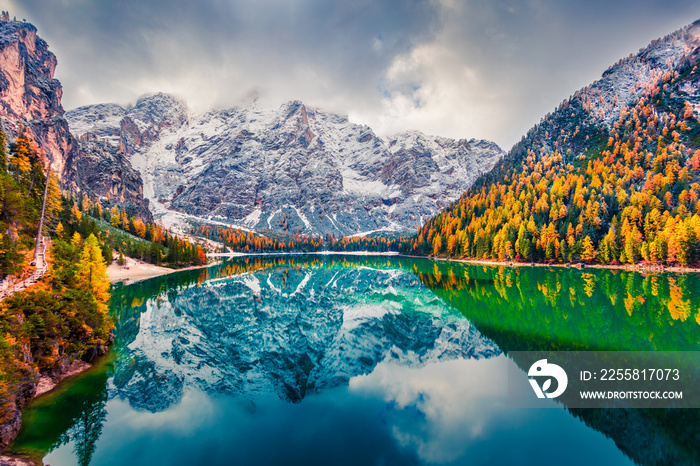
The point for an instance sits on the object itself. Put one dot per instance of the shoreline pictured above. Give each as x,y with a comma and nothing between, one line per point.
46,385
488,262
628,267
135,270
301,253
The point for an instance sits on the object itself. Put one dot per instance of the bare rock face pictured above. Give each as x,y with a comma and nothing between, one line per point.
11,407
291,168
27,88
30,100
105,170
30,97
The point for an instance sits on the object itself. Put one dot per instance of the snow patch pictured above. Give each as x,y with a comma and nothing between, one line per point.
252,282
354,316
253,218
303,283
303,218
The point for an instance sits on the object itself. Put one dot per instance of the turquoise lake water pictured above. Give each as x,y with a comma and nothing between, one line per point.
363,360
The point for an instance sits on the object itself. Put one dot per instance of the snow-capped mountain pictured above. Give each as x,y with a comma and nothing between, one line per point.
633,75
290,168
584,120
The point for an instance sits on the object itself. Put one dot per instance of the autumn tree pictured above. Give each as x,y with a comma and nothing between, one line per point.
588,251
92,272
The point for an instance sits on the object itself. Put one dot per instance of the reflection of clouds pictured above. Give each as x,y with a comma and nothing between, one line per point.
126,426
244,335
443,412
456,412
323,430
195,409
457,401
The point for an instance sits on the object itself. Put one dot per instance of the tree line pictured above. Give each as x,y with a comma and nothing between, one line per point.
234,239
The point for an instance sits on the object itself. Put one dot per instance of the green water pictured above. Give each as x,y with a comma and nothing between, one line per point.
565,309
363,360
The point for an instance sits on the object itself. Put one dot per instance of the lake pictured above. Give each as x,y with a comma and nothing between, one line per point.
364,360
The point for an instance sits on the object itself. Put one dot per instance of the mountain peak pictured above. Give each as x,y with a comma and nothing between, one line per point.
30,99
11,31
159,99
290,169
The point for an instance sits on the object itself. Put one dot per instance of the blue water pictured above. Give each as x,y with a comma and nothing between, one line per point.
357,361
444,413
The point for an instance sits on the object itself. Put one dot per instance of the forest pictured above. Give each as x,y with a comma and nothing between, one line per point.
127,235
65,315
623,195
234,239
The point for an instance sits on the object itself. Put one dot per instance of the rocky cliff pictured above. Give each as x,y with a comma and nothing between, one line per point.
291,168
30,101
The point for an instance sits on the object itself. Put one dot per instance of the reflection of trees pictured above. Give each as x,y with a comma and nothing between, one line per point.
522,308
126,297
576,308
88,428
529,308
564,309
677,306
525,308
76,412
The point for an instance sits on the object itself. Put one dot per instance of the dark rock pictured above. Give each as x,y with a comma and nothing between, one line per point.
94,353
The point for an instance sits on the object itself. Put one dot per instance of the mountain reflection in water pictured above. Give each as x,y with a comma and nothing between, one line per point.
359,360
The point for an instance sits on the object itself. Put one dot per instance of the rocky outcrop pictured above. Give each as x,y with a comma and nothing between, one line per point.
12,461
107,173
28,383
28,90
291,168
30,101
11,409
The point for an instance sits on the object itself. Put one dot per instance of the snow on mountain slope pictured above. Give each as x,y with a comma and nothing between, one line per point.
291,168
628,78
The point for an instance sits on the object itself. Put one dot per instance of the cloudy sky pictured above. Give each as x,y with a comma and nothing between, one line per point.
457,68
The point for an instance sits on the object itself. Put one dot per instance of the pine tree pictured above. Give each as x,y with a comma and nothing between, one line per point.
437,245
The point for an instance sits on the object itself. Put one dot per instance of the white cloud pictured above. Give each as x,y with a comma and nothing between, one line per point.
458,68
432,89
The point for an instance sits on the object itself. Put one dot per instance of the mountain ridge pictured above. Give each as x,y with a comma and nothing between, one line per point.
619,84
286,169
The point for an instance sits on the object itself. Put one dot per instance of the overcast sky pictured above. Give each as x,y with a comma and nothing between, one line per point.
458,68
